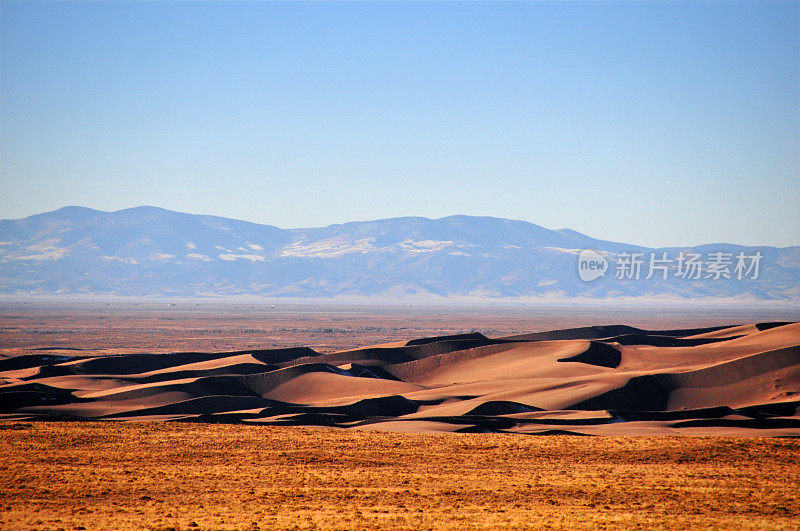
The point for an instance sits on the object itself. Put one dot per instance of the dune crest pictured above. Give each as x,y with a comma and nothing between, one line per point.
604,380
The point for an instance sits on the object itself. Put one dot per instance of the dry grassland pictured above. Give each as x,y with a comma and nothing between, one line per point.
186,476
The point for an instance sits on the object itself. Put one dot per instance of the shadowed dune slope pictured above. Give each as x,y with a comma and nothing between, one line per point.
604,380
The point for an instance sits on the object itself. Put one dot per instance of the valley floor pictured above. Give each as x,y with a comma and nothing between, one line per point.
118,475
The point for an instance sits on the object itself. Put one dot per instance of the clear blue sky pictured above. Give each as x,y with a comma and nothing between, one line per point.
651,123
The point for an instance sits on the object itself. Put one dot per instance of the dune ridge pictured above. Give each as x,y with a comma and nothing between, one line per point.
598,380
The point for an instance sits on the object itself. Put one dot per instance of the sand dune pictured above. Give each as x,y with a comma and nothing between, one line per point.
742,380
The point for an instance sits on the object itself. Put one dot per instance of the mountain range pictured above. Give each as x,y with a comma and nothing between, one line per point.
150,251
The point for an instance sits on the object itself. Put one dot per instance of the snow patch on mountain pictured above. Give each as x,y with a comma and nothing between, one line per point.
329,247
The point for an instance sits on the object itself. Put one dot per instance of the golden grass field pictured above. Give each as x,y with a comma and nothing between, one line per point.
117,475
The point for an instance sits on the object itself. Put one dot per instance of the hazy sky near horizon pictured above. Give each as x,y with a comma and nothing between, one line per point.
650,123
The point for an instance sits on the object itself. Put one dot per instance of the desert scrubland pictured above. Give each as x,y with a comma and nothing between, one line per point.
113,475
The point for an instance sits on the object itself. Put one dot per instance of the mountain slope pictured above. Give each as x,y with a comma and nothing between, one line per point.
153,251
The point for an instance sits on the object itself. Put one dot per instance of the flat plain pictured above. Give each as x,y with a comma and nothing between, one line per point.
118,475
92,328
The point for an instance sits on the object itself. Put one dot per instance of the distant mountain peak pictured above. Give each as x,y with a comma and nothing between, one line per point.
153,251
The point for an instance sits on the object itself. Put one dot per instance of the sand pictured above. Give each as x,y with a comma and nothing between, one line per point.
614,380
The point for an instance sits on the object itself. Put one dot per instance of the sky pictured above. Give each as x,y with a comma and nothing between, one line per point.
650,123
